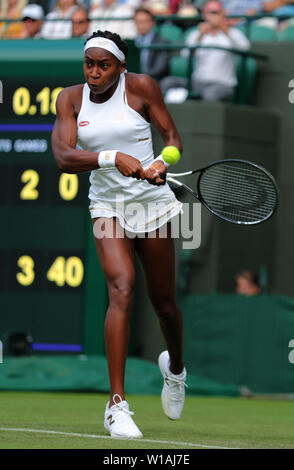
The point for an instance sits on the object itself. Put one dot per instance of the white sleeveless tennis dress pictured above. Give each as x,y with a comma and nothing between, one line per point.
113,125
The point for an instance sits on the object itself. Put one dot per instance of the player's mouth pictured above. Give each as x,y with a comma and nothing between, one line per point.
94,87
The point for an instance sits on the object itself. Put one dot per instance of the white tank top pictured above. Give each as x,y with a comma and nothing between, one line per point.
114,125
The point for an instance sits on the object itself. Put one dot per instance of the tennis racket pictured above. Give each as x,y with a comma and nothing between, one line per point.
235,190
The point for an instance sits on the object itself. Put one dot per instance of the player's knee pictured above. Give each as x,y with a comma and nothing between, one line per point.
121,290
165,308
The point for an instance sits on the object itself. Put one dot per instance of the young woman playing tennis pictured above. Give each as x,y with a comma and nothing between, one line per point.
109,118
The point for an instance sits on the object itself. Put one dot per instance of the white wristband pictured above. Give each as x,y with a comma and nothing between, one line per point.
160,158
106,158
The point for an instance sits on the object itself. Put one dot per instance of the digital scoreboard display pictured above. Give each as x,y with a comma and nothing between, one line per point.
45,226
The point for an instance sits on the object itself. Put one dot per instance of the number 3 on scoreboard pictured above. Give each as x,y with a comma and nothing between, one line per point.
27,275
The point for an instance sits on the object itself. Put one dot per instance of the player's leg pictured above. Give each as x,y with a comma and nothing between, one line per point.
157,257
116,254
158,260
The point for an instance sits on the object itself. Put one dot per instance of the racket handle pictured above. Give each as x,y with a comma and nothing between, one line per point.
172,180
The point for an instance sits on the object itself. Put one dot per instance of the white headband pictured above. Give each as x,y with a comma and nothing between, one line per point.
107,44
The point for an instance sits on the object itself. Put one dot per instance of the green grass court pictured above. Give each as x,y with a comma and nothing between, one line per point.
41,420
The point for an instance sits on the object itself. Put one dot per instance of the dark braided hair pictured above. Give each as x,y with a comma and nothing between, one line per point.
113,37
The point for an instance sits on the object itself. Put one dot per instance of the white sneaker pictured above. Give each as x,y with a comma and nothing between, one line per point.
173,391
118,421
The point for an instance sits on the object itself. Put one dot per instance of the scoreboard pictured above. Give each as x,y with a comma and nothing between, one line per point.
51,283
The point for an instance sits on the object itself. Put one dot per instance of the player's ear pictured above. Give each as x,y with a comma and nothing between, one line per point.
123,66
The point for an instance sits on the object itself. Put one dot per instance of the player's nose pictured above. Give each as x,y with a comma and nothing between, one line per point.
95,72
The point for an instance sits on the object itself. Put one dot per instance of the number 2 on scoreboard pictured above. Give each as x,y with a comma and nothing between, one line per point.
31,180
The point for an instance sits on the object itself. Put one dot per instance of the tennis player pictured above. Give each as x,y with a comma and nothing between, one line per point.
109,117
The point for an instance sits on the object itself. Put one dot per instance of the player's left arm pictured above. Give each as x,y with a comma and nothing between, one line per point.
159,115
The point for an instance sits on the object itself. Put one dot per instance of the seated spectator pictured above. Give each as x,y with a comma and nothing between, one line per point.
32,20
153,63
133,4
11,10
258,7
175,5
187,11
59,29
103,9
45,4
158,7
214,76
242,7
277,8
80,24
247,283
164,7
52,4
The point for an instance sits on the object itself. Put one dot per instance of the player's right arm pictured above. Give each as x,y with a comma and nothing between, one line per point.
64,140
64,137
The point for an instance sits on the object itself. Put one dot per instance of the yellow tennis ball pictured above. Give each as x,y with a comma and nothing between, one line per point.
171,154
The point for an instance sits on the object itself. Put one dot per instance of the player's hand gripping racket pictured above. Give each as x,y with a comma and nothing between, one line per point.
235,190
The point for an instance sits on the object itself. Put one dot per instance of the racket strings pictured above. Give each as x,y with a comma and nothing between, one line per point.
238,191
239,197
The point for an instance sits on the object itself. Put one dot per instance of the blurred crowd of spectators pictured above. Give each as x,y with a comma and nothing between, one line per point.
86,16
214,73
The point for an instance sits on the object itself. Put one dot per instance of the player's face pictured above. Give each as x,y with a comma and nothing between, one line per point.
102,70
